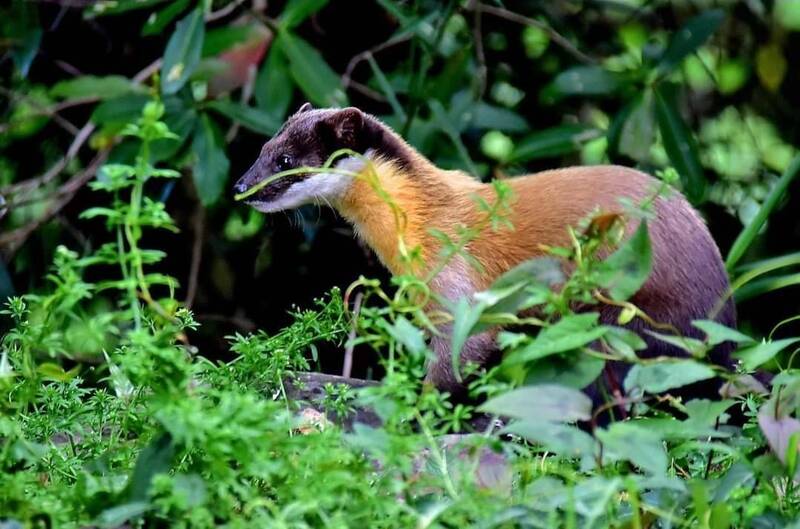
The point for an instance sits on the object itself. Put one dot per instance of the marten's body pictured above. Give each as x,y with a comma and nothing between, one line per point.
687,281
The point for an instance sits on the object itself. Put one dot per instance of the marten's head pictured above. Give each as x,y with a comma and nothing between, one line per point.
307,139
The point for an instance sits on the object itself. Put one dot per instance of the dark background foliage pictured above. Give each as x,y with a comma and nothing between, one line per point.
482,87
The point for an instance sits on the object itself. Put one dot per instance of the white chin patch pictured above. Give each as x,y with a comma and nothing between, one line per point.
319,188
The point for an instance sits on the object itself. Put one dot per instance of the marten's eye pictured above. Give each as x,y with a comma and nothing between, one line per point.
284,162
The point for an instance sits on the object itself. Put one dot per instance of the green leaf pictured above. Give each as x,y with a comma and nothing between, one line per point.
552,142
273,88
755,355
680,145
751,231
767,284
570,332
632,442
183,52
573,371
156,22
310,72
587,80
251,118
717,333
625,271
693,346
22,30
90,86
412,338
222,39
689,38
562,439
661,376
296,11
465,316
545,402
637,133
116,516
155,458
486,116
211,165
123,109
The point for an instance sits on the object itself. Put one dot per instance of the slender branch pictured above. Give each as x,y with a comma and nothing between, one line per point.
197,254
554,35
13,240
348,354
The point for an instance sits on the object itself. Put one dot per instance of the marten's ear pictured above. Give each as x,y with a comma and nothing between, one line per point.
344,127
305,108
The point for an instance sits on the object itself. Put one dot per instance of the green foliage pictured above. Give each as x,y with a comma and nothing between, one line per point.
111,417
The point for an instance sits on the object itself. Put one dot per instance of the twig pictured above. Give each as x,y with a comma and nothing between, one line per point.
12,240
367,91
364,55
554,35
41,110
223,11
480,55
197,254
80,138
348,353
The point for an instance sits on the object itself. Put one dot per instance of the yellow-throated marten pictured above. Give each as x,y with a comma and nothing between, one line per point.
687,281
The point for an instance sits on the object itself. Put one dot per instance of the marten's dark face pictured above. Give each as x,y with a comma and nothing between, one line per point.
307,139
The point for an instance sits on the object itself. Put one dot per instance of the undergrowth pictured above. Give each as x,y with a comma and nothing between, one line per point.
112,419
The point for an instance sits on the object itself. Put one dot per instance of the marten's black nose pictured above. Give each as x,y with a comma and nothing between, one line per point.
240,186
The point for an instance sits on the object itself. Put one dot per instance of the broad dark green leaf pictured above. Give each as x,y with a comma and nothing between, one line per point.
717,333
310,72
123,109
693,346
486,116
116,516
24,34
755,355
658,377
689,38
570,332
625,271
573,371
183,52
637,133
407,334
587,80
274,89
296,11
632,442
210,167
221,39
680,145
561,439
552,142
624,342
107,87
542,403
465,316
250,117
158,21
155,458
